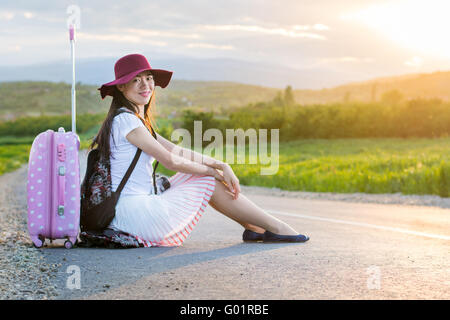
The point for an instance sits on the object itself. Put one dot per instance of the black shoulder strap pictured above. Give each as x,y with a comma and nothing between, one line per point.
122,110
129,171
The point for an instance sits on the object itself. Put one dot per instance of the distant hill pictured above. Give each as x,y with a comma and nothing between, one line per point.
99,70
424,85
37,97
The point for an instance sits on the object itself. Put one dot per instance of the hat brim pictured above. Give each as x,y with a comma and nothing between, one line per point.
161,77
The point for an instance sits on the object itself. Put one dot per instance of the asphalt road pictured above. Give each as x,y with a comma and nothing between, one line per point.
356,251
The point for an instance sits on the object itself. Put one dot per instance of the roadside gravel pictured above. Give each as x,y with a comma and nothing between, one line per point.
24,273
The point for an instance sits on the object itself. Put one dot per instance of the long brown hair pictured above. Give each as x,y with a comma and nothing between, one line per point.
119,101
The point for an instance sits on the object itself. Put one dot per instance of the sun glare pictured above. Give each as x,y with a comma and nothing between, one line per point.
421,26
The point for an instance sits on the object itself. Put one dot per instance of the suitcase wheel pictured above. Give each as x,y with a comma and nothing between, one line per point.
71,242
38,241
68,244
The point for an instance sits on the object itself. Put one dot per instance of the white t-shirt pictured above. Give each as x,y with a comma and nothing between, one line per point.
122,154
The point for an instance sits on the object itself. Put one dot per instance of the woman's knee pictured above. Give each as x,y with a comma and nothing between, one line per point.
219,189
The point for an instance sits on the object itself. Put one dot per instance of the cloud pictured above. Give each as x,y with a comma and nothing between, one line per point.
346,59
11,48
158,33
9,15
114,37
414,62
285,32
209,46
316,26
28,14
6,15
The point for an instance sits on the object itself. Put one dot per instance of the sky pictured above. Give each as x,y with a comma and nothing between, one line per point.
370,38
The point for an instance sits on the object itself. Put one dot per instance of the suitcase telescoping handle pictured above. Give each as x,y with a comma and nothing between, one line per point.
61,150
72,47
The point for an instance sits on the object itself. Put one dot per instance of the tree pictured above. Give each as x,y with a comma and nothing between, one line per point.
392,97
289,99
278,100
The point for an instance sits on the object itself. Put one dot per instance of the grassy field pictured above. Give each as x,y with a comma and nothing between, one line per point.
409,166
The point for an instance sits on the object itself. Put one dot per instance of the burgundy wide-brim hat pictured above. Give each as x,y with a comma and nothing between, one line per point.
129,66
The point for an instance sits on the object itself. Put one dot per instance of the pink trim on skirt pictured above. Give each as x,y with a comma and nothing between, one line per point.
168,218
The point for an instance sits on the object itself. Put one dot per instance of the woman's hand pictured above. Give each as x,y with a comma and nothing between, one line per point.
231,181
228,178
216,174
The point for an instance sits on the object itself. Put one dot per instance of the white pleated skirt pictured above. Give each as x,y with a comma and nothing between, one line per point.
166,219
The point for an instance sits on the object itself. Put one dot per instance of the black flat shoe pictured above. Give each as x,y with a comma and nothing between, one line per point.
251,236
273,237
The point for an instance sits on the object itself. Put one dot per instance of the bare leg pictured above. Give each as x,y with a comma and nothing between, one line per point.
246,213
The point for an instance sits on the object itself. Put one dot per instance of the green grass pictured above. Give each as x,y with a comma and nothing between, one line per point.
12,157
14,151
408,166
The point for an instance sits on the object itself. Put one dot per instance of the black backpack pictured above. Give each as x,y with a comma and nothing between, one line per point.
98,201
109,238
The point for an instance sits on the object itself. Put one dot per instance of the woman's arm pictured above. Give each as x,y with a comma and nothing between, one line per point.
192,155
142,139
228,176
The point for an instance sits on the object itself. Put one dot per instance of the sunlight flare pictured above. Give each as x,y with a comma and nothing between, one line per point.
420,26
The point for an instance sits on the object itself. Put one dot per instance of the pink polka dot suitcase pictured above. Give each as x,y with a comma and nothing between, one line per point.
53,184
53,188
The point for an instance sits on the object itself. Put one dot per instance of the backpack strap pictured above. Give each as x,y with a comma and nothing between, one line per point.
129,171
154,177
